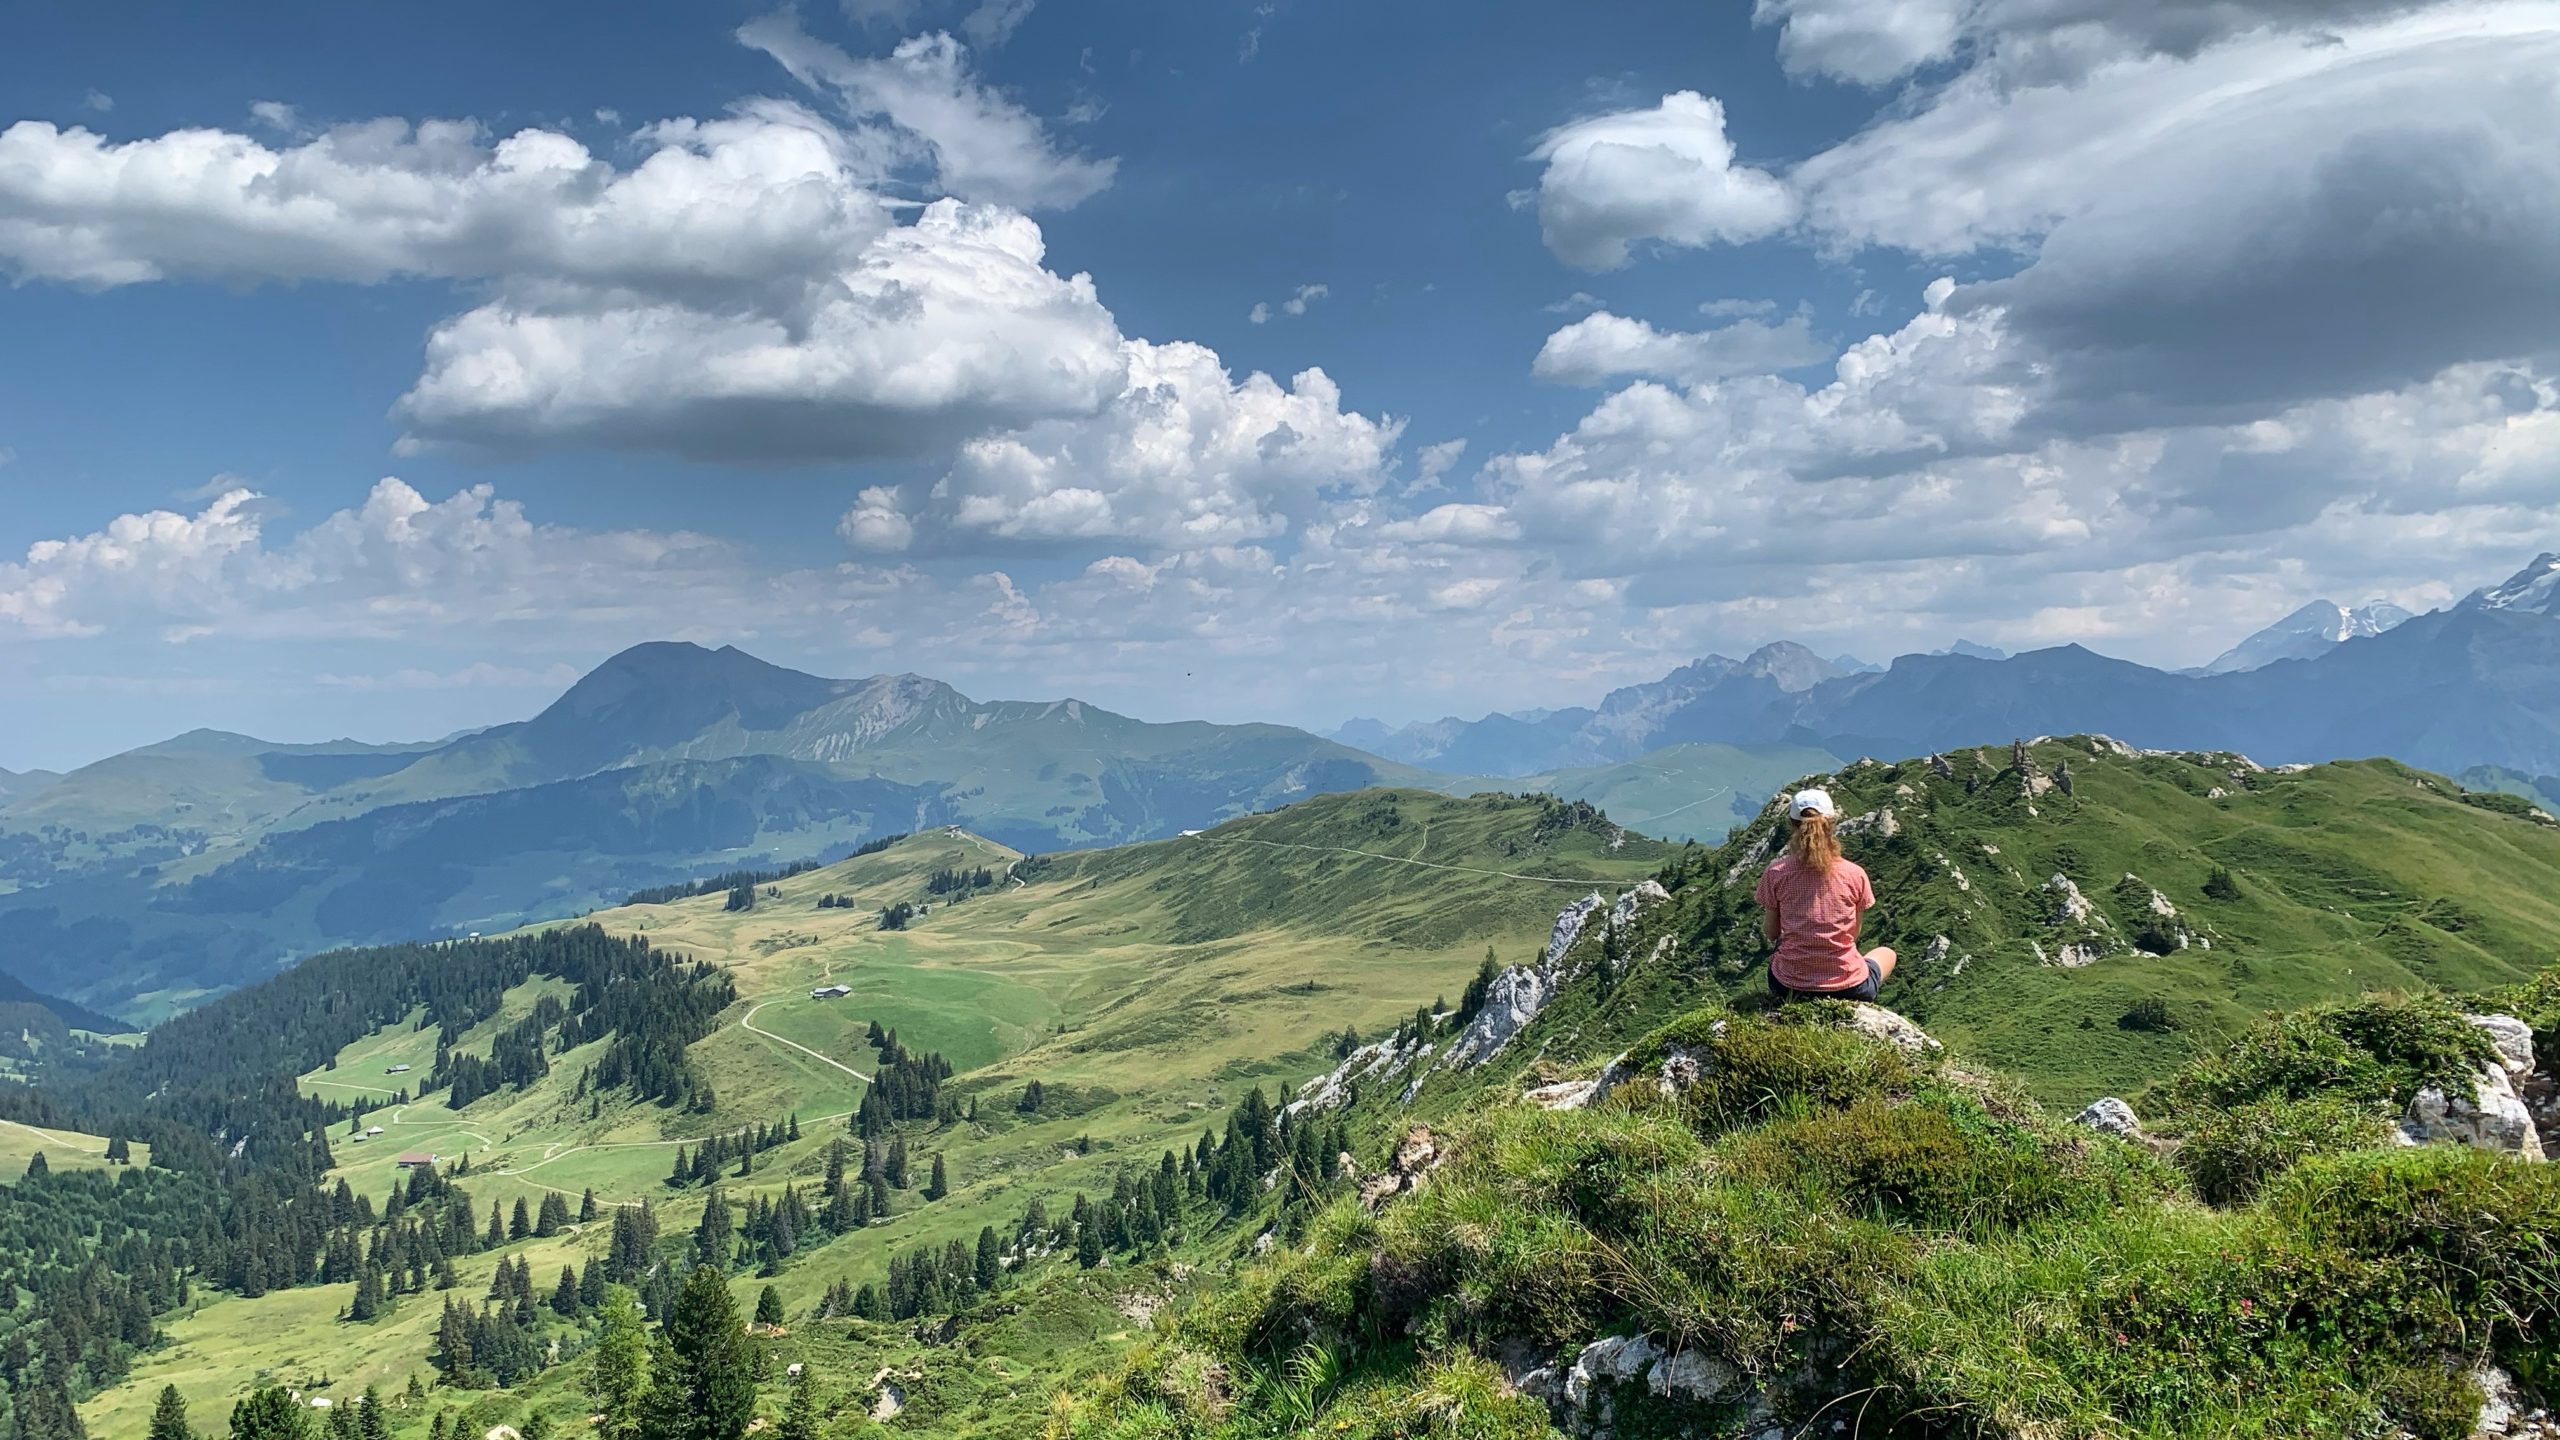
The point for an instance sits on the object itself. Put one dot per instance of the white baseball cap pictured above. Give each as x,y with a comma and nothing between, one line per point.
1813,802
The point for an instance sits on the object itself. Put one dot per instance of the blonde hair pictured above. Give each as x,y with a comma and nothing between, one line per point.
1813,843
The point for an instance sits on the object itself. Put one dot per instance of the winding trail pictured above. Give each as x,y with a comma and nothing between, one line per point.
349,1085
1408,860
1676,809
747,1022
399,1113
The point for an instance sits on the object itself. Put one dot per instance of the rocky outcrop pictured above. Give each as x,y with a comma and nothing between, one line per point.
1879,823
1380,1060
2493,1116
1878,1023
1680,1069
2513,1039
1635,902
1519,993
1510,1003
1583,1394
1753,860
1568,928
2070,907
2110,1116
2505,1414
1417,1155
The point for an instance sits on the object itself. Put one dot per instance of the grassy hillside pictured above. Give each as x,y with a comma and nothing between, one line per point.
1784,1224
62,1150
2344,878
1803,1226
1146,989
1150,989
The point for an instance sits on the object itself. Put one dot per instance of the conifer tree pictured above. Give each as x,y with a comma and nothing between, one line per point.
169,1416
268,1414
769,1307
618,1384
990,1258
708,1390
939,1184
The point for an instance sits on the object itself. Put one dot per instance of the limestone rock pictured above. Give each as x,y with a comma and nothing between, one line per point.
1379,1060
1681,1070
1519,993
1565,1095
2069,905
2492,1117
1753,859
1514,999
1635,902
1691,1375
1892,1029
1880,823
1568,928
2504,1414
2514,1040
2110,1116
1417,1155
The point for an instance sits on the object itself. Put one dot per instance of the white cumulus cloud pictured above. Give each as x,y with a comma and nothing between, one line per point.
1666,174
1184,457
1604,346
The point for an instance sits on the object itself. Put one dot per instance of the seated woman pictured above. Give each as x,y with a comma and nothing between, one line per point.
1810,899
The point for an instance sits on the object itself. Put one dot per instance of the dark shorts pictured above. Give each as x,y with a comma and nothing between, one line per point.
1863,990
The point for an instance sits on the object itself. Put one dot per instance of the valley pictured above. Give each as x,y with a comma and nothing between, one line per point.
1144,989
1151,992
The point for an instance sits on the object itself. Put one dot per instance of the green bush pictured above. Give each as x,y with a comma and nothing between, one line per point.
1799,1059
2379,1048
2231,1154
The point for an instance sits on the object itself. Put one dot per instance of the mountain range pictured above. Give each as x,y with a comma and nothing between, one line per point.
2476,685
155,877
149,880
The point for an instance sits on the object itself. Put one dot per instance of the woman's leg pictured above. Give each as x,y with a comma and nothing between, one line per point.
1882,957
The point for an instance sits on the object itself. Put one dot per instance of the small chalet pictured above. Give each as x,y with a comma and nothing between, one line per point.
830,992
410,1159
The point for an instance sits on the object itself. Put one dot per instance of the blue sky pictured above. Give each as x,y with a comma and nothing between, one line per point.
1241,361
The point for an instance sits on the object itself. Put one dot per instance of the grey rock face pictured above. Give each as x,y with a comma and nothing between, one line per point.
2491,1117
2110,1116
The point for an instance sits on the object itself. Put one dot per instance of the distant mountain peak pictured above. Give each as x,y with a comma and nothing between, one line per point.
1790,666
2535,589
2312,630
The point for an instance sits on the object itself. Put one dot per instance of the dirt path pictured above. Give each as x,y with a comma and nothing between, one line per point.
350,1085
747,1022
65,1141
